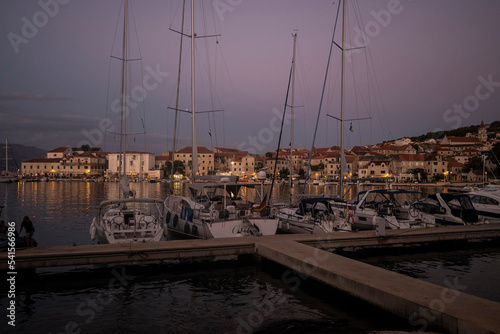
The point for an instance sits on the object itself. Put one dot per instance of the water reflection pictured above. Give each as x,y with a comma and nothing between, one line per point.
63,210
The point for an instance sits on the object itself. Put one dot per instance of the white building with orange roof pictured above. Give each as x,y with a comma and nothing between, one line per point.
406,164
206,163
455,171
242,166
59,152
333,166
137,164
63,162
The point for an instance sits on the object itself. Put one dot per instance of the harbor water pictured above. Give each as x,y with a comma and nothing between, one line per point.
218,296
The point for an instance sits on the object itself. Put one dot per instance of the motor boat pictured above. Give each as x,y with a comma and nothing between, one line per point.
448,208
384,207
312,215
487,203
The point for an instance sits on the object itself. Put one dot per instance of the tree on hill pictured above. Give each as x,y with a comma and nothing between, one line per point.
494,126
474,163
460,132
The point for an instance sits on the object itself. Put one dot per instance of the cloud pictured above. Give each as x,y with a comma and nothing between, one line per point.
28,97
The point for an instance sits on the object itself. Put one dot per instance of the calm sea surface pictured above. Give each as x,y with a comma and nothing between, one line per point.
222,296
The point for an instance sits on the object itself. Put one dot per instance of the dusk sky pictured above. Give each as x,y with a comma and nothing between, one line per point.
432,65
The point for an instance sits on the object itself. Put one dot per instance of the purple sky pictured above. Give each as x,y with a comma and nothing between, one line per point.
433,64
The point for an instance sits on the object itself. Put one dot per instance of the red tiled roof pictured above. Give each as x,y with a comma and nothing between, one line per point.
388,147
229,150
463,139
189,149
87,154
455,164
59,149
42,160
350,158
411,157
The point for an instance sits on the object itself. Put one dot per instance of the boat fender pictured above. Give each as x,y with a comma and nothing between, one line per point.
93,230
176,220
350,216
214,214
187,230
169,215
274,212
194,230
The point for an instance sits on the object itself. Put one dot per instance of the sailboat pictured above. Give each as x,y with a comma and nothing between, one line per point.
313,214
372,209
127,219
7,177
217,209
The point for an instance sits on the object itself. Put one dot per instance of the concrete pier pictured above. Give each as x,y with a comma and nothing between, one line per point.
184,249
425,305
448,309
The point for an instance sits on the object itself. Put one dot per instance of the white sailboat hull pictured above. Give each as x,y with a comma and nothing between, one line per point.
190,219
122,221
222,228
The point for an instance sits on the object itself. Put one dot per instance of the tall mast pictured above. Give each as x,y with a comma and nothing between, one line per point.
321,99
123,134
193,110
178,89
342,157
292,108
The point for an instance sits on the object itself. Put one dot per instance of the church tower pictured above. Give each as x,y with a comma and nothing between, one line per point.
482,133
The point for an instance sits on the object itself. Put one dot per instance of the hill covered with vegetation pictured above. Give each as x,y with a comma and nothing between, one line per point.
459,132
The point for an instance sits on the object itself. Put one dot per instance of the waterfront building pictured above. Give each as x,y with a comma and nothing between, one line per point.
455,169
138,164
435,164
65,162
333,166
206,164
59,152
407,164
162,161
242,166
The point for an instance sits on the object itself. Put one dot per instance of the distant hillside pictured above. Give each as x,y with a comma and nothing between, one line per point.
18,153
460,132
